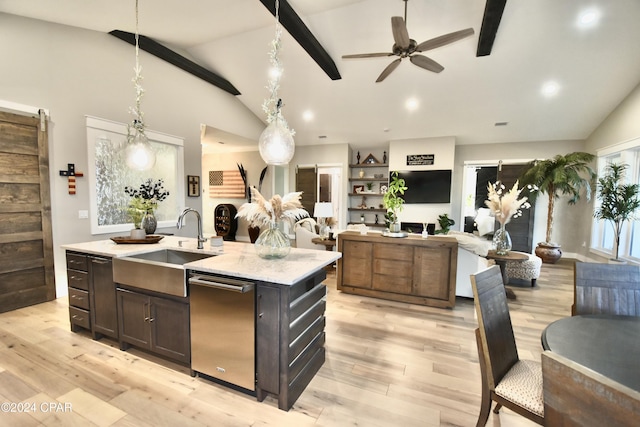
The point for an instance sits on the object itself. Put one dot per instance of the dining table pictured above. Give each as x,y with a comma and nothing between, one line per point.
607,344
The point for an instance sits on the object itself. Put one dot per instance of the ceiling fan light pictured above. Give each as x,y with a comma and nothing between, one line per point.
276,144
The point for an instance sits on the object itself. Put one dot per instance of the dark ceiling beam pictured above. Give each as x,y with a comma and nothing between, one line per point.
301,33
490,22
166,54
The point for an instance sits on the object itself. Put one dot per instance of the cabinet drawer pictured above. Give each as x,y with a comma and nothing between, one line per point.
361,250
79,298
393,251
79,317
395,284
77,262
78,279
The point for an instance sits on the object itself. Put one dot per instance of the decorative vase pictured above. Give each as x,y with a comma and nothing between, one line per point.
254,233
272,243
502,241
550,253
149,222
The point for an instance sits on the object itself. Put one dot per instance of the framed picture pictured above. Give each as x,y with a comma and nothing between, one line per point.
357,189
383,187
193,185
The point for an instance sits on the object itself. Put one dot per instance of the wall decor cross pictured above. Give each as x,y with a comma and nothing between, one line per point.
71,175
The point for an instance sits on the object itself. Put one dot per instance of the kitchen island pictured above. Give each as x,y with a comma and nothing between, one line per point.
289,306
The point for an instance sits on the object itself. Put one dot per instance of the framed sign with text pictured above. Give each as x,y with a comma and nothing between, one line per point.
420,159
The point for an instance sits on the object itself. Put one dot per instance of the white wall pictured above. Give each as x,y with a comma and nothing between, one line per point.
443,149
73,73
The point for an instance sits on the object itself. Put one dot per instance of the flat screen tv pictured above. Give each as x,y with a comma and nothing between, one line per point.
432,186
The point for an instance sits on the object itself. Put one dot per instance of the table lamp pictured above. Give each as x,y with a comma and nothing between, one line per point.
323,210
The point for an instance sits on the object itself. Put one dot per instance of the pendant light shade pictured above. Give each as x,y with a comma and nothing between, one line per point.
138,152
139,155
276,144
276,141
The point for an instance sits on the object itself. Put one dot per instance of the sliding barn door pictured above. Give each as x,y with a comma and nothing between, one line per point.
306,181
26,248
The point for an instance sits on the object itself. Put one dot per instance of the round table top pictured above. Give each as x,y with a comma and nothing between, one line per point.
609,345
511,256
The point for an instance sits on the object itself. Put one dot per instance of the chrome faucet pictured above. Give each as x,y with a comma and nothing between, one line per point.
201,239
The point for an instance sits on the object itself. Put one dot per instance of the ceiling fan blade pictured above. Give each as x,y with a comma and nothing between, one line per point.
366,55
426,63
388,70
400,33
444,39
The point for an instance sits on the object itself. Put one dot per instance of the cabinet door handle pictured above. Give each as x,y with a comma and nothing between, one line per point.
145,310
100,261
77,297
76,317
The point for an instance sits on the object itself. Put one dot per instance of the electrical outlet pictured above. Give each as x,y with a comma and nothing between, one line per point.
83,214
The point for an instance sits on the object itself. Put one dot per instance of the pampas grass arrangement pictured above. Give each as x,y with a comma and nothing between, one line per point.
261,212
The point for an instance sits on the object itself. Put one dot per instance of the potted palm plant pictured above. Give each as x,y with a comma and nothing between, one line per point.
393,202
618,201
564,175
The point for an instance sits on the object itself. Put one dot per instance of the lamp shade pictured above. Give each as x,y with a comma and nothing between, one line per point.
323,210
276,144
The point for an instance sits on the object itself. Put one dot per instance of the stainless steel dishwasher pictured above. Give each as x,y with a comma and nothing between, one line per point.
223,328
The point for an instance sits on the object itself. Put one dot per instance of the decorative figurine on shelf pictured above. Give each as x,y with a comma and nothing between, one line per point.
362,218
358,157
361,173
377,220
384,158
363,205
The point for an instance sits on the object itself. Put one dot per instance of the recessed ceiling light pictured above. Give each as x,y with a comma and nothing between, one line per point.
411,104
550,89
588,18
501,123
322,136
307,116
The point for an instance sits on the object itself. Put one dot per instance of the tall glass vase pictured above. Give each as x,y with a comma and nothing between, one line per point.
272,243
502,241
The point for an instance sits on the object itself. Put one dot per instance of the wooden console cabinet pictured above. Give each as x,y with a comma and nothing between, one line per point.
409,269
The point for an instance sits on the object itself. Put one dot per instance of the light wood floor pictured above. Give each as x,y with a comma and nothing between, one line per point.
388,364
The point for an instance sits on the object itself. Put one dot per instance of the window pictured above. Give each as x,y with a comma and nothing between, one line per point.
602,232
108,175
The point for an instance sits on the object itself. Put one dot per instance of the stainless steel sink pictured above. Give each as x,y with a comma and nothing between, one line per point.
160,271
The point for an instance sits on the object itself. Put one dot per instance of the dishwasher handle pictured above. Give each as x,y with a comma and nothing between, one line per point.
222,283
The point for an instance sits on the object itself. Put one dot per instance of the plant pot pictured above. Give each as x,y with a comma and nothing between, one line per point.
138,234
394,227
149,222
550,253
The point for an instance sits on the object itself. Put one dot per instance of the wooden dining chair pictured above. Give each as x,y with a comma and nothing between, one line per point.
576,396
510,382
606,289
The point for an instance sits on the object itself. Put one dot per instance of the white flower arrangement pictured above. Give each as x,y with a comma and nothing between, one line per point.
505,205
261,212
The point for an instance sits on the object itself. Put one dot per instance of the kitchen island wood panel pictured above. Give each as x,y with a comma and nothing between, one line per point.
410,269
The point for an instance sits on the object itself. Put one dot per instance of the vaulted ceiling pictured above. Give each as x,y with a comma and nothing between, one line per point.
594,67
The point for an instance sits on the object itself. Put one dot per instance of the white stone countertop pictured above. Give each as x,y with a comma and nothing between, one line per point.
233,258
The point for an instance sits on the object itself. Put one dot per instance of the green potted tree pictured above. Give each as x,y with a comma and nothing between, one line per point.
393,202
445,222
618,201
563,175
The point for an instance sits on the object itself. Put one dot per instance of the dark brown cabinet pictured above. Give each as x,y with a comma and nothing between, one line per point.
104,314
290,337
157,324
78,286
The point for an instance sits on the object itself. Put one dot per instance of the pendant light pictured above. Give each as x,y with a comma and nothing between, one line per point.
138,153
276,141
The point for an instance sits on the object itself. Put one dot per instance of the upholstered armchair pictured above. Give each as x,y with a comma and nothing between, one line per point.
305,230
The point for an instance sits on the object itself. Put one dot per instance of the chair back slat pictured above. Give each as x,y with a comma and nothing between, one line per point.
494,321
606,289
577,396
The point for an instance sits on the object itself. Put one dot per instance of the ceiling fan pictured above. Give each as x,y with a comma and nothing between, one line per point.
405,47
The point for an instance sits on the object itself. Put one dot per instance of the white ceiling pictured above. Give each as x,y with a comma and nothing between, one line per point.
538,41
